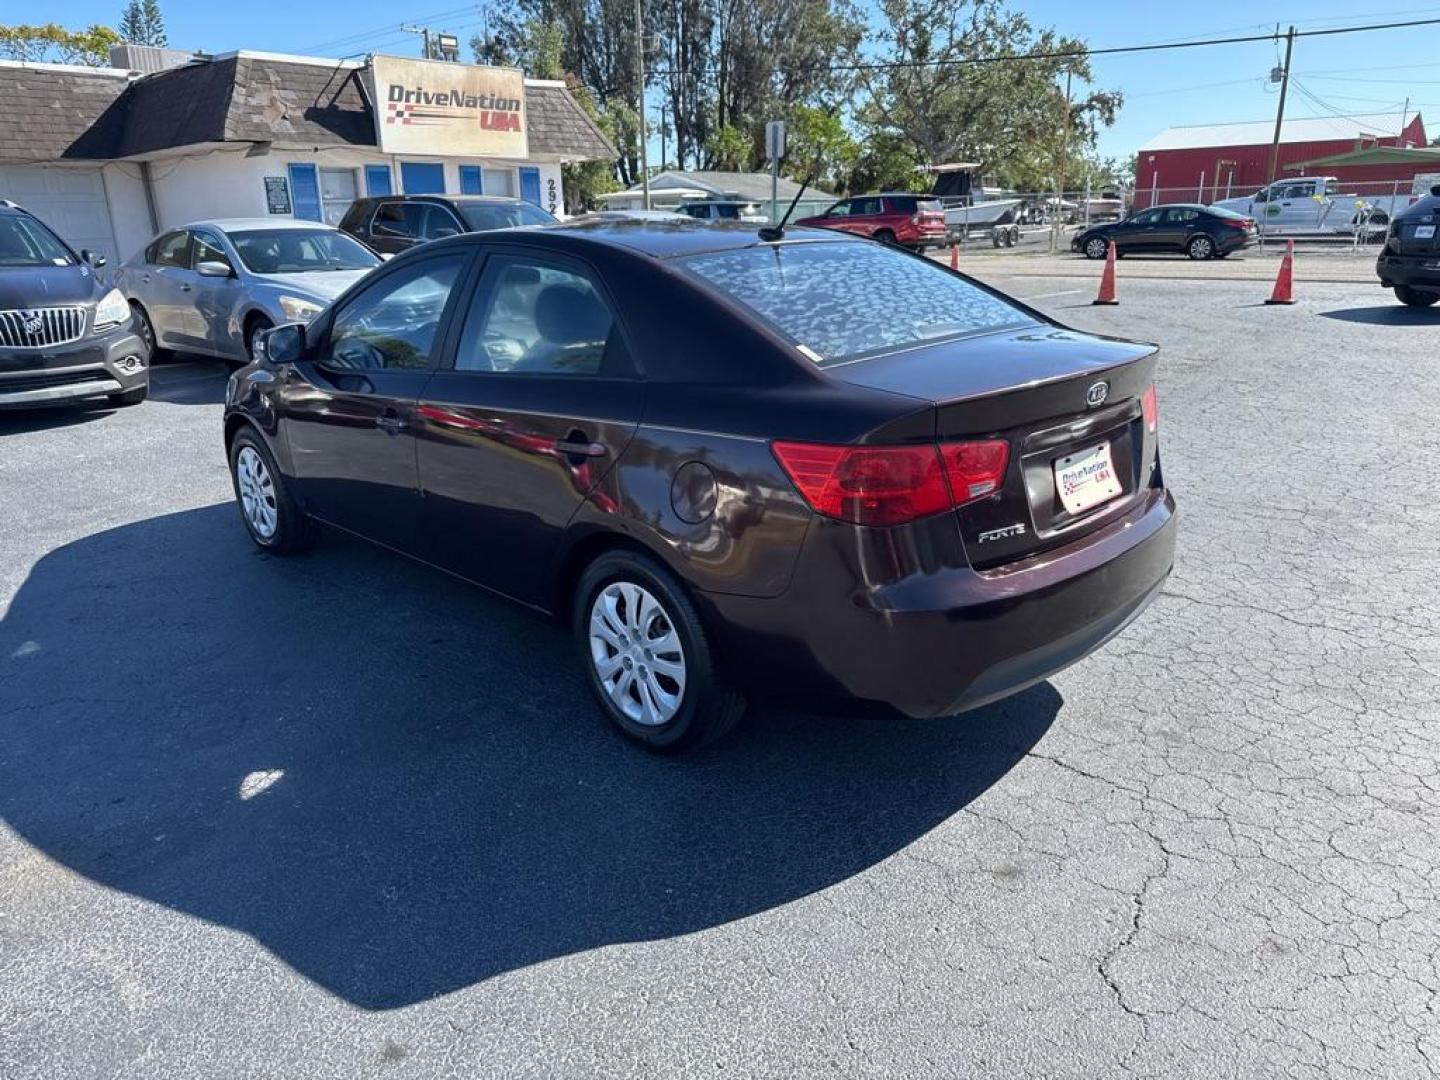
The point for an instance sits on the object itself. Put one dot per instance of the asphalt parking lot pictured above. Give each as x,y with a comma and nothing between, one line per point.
334,816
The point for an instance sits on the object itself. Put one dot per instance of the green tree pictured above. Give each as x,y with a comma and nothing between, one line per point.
943,93
55,44
818,143
729,148
154,24
132,23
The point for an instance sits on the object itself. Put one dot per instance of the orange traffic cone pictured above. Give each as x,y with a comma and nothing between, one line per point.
1107,279
1285,280
954,256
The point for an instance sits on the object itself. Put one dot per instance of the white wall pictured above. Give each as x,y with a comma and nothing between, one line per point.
129,210
226,183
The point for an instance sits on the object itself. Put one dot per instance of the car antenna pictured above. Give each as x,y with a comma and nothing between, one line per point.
771,233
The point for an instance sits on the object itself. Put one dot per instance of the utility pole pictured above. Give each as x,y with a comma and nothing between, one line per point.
640,69
424,32
1056,225
1280,110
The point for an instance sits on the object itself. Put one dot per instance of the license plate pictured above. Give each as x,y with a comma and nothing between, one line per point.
1086,479
1424,232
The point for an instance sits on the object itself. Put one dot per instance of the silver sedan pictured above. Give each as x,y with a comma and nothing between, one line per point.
213,287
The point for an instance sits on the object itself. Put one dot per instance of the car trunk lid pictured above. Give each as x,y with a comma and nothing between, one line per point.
1069,405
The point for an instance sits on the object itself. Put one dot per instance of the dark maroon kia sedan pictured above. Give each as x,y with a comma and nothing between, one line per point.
734,471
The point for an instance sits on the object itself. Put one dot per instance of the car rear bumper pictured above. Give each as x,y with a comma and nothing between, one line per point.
93,367
952,639
1415,271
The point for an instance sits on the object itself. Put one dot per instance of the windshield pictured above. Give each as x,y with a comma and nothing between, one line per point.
844,301
298,251
25,242
482,217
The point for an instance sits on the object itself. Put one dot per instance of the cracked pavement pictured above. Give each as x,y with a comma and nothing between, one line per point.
335,816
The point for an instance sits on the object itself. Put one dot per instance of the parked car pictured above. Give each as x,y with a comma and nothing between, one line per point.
912,221
64,334
1317,205
637,215
213,287
1410,261
1201,232
395,223
789,492
726,210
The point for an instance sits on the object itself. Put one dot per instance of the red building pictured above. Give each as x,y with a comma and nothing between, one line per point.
1206,162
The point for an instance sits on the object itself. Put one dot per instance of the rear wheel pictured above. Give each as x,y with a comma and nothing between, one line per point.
1095,248
1200,247
885,236
1415,298
146,329
649,661
271,516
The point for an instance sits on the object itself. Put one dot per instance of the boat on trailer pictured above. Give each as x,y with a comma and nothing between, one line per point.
967,204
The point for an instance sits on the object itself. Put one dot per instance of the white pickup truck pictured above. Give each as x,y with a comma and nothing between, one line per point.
1315,205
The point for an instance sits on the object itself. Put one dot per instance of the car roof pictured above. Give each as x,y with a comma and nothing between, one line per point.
438,198
227,225
663,239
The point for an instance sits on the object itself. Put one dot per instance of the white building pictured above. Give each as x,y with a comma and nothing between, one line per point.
109,157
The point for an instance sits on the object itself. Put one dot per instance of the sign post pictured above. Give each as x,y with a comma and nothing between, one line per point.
775,150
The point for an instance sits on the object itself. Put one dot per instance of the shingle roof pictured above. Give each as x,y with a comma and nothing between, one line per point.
48,113
1261,132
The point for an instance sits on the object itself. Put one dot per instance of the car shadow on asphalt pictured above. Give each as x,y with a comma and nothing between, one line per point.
189,381
1387,315
400,787
46,417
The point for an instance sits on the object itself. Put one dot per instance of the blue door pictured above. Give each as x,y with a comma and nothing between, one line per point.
377,180
530,184
470,182
305,193
422,177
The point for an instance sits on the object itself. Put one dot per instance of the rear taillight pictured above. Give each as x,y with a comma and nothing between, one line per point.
1150,408
890,485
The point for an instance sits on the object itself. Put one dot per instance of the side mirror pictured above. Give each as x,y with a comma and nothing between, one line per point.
213,268
94,258
283,344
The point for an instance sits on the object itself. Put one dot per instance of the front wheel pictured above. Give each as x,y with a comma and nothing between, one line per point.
1415,298
1201,247
648,658
146,329
272,518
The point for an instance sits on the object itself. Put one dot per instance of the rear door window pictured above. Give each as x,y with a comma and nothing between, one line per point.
390,220
173,249
862,207
1181,215
844,301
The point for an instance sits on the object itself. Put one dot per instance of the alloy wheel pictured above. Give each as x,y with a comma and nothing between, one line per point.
637,653
257,493
1095,249
1201,248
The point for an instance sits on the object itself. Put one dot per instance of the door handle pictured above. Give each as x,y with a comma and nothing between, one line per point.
390,422
184,288
579,448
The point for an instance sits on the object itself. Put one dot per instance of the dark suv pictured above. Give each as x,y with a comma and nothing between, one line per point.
392,223
1410,261
64,335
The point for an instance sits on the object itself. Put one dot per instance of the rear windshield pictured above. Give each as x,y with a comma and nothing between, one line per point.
482,217
1221,212
24,242
846,301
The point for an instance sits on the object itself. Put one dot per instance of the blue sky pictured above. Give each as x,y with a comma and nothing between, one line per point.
1371,72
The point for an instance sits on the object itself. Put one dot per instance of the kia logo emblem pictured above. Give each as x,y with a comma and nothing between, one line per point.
1097,393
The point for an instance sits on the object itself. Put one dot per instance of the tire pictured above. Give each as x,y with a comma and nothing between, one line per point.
683,707
1095,248
1415,298
1012,236
129,397
146,330
884,236
1200,247
254,327
254,474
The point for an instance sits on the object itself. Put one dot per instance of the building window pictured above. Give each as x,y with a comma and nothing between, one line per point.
470,180
498,181
338,189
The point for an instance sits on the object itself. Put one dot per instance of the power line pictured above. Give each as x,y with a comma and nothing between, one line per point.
1082,54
